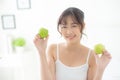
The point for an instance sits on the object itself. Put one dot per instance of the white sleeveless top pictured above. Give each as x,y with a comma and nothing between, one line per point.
64,72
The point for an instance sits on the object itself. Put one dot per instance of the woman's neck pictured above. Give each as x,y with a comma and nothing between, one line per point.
71,46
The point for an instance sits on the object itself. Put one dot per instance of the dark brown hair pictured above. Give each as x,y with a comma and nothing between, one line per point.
75,13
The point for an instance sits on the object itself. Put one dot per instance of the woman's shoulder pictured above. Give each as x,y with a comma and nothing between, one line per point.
53,46
86,48
52,49
91,53
92,58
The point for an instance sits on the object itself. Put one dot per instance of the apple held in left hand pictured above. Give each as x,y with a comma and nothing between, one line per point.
99,48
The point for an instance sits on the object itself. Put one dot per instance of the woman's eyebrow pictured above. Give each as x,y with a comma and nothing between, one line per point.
74,23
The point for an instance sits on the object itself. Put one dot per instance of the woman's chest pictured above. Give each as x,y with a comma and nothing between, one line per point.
72,59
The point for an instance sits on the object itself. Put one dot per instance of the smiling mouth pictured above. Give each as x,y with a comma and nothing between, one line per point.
70,37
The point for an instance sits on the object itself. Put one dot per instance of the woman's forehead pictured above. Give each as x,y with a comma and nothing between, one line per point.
70,18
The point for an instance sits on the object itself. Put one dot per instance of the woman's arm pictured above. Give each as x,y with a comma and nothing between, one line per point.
102,62
48,65
51,59
45,70
97,65
41,45
92,67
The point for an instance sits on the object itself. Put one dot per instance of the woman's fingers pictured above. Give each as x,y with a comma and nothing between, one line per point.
107,54
47,38
38,36
105,58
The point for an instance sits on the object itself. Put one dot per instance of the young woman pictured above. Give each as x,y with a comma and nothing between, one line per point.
70,60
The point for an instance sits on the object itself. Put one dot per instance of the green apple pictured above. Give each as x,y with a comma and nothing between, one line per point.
19,42
99,48
43,32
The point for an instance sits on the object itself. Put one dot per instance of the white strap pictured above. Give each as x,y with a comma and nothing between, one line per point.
57,52
88,56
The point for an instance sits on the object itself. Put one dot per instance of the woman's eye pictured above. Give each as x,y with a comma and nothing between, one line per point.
74,26
63,26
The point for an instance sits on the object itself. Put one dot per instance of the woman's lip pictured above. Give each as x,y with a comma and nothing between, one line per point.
70,37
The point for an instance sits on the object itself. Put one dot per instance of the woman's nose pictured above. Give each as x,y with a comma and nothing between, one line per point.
69,31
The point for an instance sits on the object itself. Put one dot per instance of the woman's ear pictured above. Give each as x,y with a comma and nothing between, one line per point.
83,25
59,30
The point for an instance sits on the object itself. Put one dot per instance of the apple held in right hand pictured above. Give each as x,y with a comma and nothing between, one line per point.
43,32
40,40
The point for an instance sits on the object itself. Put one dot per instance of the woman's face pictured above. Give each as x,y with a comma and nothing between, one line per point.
70,30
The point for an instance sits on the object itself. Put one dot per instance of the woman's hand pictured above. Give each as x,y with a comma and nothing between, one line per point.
103,60
41,44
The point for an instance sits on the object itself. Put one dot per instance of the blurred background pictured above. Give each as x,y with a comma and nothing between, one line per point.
21,20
